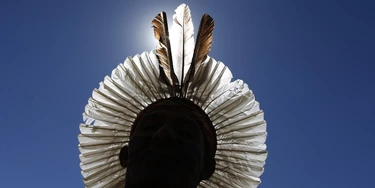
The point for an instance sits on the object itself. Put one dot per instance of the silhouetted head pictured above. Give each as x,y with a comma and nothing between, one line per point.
170,146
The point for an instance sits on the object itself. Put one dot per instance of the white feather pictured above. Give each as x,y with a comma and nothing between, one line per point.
182,40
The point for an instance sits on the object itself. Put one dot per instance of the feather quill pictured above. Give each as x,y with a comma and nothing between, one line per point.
163,49
202,46
182,41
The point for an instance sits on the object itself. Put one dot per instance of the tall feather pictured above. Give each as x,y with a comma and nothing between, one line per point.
202,46
163,50
182,41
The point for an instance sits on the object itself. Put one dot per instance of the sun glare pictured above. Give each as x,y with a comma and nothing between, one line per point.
146,34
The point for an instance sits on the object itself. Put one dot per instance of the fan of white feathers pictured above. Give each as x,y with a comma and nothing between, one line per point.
179,67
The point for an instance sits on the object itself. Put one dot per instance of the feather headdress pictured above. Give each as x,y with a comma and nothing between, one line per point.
179,67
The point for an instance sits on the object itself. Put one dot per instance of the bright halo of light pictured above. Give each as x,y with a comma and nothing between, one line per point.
146,32
143,39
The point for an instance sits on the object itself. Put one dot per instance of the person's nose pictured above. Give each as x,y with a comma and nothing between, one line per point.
165,133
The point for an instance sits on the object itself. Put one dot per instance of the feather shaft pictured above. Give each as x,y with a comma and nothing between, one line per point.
202,46
182,41
163,50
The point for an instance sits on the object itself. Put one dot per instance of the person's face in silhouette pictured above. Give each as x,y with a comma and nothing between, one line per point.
166,148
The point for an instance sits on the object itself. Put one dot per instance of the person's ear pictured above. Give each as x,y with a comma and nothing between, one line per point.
124,156
209,167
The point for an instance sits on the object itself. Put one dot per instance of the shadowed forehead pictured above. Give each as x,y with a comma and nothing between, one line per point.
169,114
180,111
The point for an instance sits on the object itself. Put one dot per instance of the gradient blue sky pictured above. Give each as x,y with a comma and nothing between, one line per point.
309,63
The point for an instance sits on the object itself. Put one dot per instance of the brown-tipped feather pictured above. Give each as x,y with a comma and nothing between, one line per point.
202,46
160,25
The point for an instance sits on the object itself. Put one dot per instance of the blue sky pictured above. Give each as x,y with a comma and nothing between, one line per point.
309,63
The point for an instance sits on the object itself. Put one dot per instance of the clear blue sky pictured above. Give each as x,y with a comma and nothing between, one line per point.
309,63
